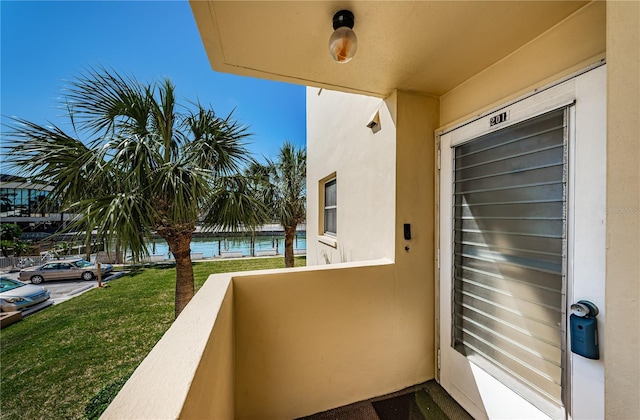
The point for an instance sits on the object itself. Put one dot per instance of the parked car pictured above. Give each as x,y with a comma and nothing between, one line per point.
17,296
63,270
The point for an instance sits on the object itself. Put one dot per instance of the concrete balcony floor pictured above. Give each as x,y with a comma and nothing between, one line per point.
428,401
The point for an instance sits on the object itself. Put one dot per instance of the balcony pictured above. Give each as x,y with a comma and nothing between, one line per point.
283,344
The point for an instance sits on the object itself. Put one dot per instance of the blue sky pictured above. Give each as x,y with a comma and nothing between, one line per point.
45,43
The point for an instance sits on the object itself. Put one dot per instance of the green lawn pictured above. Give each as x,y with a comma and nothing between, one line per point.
53,362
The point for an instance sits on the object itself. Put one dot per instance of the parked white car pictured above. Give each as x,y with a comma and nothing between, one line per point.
17,296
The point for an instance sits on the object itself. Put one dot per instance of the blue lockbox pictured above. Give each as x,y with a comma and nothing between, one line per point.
584,330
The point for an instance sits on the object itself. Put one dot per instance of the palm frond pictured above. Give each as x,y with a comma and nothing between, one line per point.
179,191
98,100
234,205
136,158
126,217
288,175
217,144
163,118
49,156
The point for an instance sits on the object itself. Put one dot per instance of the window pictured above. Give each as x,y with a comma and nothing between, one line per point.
21,202
330,208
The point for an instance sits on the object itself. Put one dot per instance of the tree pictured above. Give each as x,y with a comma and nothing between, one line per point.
144,167
258,180
10,232
6,247
21,247
285,192
10,242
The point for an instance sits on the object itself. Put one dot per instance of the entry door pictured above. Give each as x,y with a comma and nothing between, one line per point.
518,188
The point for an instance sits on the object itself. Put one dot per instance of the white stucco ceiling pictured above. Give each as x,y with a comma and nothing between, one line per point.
424,46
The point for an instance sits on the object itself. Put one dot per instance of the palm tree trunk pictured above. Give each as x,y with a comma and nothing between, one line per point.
87,248
179,242
119,257
289,234
253,243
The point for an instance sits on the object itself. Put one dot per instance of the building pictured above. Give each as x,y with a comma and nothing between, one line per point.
403,206
27,205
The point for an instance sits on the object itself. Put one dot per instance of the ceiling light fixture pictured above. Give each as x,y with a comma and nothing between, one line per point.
343,42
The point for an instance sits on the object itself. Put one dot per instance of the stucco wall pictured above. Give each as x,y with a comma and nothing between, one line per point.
338,141
307,340
622,366
211,392
189,373
417,119
316,338
570,46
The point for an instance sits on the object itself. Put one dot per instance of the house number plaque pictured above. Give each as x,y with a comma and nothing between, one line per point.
497,119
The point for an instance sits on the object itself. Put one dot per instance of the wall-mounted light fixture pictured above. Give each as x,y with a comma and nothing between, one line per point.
343,42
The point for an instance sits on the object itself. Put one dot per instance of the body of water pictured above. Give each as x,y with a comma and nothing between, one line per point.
211,247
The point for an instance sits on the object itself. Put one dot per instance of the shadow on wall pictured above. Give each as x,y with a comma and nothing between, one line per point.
342,256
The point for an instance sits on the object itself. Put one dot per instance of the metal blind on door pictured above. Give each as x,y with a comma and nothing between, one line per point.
509,255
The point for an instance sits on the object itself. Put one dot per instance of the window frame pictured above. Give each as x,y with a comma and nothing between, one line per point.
325,230
325,236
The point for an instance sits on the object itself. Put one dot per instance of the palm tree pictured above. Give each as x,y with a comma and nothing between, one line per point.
258,179
143,167
285,192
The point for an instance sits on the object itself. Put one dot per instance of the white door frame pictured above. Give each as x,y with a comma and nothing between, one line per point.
477,391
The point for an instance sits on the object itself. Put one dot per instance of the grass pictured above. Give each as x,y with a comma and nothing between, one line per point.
53,362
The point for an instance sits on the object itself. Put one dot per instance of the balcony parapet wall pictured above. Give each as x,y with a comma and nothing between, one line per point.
281,344
193,357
